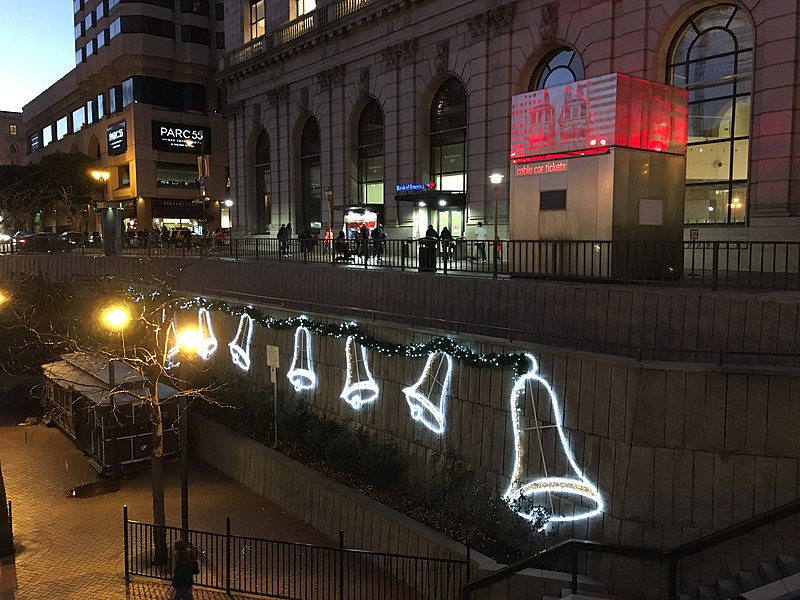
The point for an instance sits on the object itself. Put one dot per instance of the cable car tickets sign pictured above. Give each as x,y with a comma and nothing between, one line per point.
178,137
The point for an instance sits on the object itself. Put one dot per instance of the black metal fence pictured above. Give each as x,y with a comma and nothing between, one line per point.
712,264
291,570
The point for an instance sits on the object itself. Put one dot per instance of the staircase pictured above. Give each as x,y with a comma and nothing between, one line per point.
778,580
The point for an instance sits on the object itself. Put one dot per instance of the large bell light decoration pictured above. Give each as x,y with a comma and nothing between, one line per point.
173,347
565,496
301,372
208,342
360,387
427,398
240,346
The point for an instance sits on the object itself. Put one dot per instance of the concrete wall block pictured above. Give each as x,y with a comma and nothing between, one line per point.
703,490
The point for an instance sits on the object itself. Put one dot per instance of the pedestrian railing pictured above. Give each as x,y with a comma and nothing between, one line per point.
280,569
715,264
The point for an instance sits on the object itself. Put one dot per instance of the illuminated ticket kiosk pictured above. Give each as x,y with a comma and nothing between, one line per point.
600,160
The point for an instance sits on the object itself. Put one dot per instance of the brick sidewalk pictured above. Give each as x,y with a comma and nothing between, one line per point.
72,548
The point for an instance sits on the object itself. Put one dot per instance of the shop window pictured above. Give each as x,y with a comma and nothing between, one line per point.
561,67
257,19
311,191
712,57
124,175
370,154
263,178
176,175
448,137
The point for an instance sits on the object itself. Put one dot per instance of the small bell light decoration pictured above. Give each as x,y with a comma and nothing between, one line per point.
360,387
240,346
301,372
427,398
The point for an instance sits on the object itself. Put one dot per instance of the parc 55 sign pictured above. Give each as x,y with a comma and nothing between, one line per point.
177,137
117,138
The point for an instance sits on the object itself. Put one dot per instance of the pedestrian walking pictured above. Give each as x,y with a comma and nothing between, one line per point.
283,239
364,240
377,236
480,241
184,568
430,232
447,241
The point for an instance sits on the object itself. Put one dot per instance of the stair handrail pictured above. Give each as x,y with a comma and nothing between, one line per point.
671,557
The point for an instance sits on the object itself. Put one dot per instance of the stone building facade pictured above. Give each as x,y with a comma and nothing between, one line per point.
352,107
11,144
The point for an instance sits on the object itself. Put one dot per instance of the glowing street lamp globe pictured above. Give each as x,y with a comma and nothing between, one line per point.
115,318
189,339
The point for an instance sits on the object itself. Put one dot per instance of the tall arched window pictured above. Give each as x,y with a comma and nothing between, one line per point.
311,205
712,57
263,178
560,67
370,154
448,139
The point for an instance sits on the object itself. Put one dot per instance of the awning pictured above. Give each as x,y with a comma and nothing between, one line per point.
437,200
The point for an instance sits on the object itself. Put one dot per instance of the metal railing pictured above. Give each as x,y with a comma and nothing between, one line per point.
572,548
773,265
291,570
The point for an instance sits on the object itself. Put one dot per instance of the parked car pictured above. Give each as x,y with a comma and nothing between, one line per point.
44,241
74,238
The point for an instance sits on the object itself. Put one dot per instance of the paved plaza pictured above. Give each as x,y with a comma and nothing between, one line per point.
73,548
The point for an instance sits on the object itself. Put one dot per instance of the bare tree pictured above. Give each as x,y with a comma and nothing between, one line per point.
146,342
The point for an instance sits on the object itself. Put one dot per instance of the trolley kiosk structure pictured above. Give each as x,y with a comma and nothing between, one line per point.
108,422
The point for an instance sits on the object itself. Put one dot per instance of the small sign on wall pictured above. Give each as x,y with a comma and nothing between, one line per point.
651,211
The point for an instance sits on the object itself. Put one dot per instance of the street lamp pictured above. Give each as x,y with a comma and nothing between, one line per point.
102,177
496,179
329,198
115,318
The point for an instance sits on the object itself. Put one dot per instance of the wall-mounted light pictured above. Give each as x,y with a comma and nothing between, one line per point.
442,202
228,203
421,204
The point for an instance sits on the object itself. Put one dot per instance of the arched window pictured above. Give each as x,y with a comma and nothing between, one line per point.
311,204
712,57
560,67
13,150
263,178
370,154
94,148
448,137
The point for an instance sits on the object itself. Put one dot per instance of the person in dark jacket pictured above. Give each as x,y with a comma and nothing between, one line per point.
184,568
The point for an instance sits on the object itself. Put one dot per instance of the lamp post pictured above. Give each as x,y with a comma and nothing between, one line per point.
496,179
329,198
109,229
115,319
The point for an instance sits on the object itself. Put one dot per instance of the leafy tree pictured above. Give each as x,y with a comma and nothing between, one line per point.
60,182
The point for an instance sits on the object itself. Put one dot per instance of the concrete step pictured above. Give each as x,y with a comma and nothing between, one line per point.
769,572
787,564
585,594
707,592
728,588
749,580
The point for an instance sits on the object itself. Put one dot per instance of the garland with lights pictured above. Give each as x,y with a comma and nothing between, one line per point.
515,362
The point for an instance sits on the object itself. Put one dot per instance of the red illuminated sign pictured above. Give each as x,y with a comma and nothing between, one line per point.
596,114
541,168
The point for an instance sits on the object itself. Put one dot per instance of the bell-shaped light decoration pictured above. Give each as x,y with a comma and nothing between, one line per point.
360,387
208,342
173,348
569,496
301,372
427,398
240,346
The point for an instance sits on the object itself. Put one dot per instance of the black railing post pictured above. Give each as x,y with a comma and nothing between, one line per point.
10,520
404,249
715,267
673,579
125,540
235,249
554,258
573,559
469,562
495,245
228,555
341,565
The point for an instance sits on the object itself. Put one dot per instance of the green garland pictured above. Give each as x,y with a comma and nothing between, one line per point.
516,362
